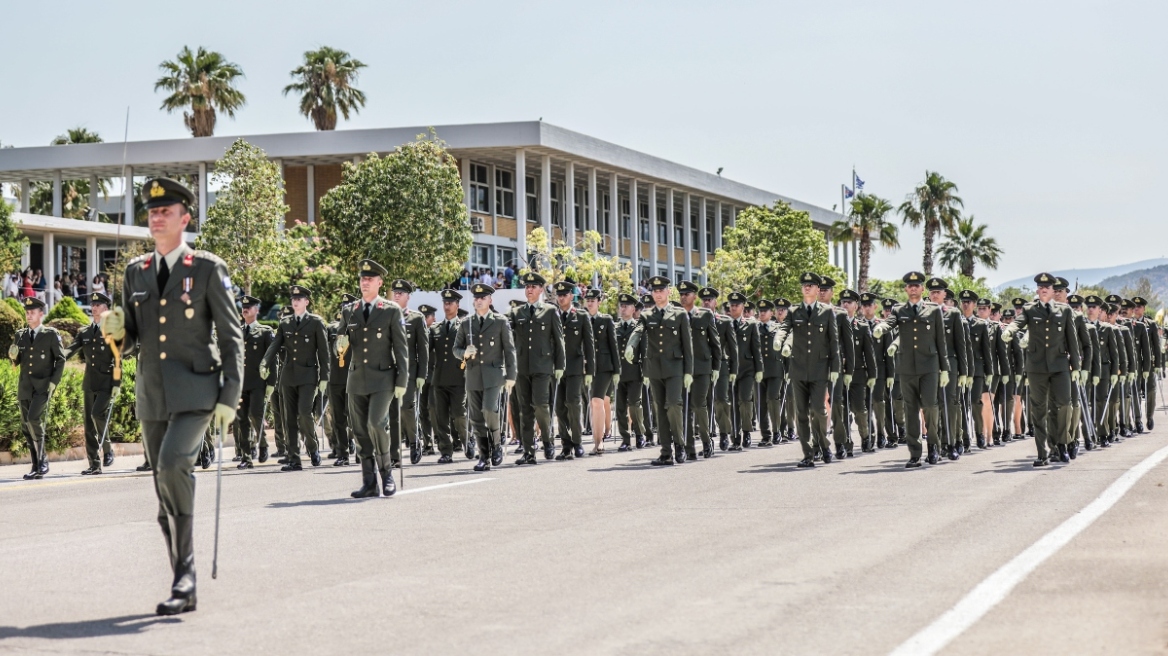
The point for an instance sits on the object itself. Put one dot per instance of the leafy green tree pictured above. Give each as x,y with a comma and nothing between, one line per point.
1008,294
767,250
935,206
967,246
74,193
243,225
325,84
404,210
203,81
959,282
12,240
868,221
1143,288
561,262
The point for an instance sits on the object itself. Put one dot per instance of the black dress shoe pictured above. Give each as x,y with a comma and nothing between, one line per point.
549,452
960,448
892,444
388,487
826,457
1073,452
470,451
661,462
282,461
579,451
724,443
415,454
624,447
292,467
1139,427
263,455
881,441
497,455
913,463
981,442
1042,462
236,458
708,451
735,447
565,455
482,466
343,461
368,481
1151,423
640,442
865,445
528,459
87,472
1064,454
933,458
953,455
806,463
684,456
108,460
315,458
244,464
518,450
445,460
144,467
1089,445
746,440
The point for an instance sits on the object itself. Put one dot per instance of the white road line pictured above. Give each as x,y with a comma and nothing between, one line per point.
415,490
994,589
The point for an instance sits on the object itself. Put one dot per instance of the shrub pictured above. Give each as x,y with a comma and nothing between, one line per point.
68,329
67,309
124,426
10,322
14,303
63,421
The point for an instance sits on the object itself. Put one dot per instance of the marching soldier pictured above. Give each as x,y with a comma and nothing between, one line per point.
539,354
1089,339
1142,345
1052,365
629,388
839,391
338,389
249,419
668,366
448,382
484,342
980,366
922,367
175,297
373,336
1133,358
884,368
1087,353
403,420
707,356
809,337
275,402
750,368
580,348
1155,357
101,385
787,427
771,391
37,351
425,418
608,365
303,342
957,350
648,407
865,374
1111,359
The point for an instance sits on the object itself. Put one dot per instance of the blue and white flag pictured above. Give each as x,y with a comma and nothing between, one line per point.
847,192
858,181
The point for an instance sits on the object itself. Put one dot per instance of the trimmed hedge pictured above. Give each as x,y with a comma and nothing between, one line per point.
14,303
10,321
67,308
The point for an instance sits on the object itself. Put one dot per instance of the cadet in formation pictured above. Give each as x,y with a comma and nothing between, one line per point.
484,342
101,385
38,353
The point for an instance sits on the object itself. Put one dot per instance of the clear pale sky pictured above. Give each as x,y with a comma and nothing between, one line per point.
1049,116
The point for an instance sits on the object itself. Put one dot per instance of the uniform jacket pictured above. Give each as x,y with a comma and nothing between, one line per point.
922,338
579,345
1111,352
1141,344
257,339
813,336
417,339
864,347
772,360
729,341
981,346
1096,348
749,347
608,355
665,337
1001,350
445,367
304,346
707,346
847,342
1154,341
180,367
1128,344
494,362
1053,346
1087,347
630,371
539,339
378,357
41,360
338,375
955,342
98,358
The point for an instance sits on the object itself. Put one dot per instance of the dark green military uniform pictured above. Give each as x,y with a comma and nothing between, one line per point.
957,351
340,435
727,368
580,350
863,372
771,389
249,419
304,343
418,344
809,338
425,413
922,359
881,427
630,420
750,371
378,362
99,386
448,384
1052,353
664,335
484,342
539,354
41,359
839,393
981,365
707,358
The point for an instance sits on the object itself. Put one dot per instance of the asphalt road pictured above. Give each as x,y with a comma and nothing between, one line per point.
742,554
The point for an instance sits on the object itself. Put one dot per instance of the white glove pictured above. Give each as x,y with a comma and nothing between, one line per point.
833,376
52,387
222,416
871,383
1114,379
733,377
113,324
1131,378
1024,341
321,385
889,382
891,350
509,385
268,391
629,354
847,380
342,343
1007,336
758,376
687,380
1095,380
964,381
989,383
714,375
587,381
944,379
13,351
878,331
1017,379
264,371
786,352
399,393
1146,374
469,352
645,380
115,392
560,374
420,382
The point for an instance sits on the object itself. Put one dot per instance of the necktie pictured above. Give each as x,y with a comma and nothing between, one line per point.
365,312
915,311
163,274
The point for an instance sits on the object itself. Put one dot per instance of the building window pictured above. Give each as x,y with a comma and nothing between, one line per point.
480,255
480,190
506,258
678,230
626,220
557,218
644,273
662,229
678,276
579,207
504,193
709,234
696,238
532,201
604,222
645,232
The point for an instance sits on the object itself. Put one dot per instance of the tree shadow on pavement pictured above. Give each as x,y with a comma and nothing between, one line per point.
109,626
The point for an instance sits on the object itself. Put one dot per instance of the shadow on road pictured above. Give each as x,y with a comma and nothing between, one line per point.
110,626
316,502
1019,466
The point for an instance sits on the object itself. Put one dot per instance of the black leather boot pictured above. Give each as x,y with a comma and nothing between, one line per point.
182,592
368,480
388,487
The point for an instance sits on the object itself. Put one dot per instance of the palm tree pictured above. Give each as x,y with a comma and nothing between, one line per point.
204,82
867,222
935,206
324,82
967,246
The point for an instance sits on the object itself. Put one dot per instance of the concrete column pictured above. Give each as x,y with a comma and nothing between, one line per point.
733,216
652,230
855,262
202,194
521,204
687,237
58,208
614,215
25,256
718,225
570,205
50,263
491,198
593,204
704,233
466,182
128,197
311,189
635,237
90,260
283,188
670,239
545,197
93,183
25,191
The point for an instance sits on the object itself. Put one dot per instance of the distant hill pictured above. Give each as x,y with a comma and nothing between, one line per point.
1157,276
1088,277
